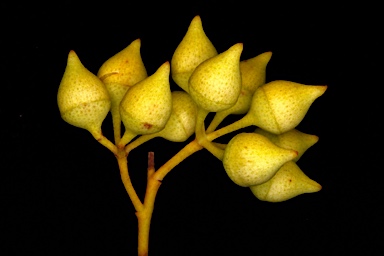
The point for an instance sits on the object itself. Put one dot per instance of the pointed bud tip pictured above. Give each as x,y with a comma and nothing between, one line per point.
164,68
196,23
73,58
166,64
237,48
323,87
239,45
268,55
313,186
196,18
72,54
137,41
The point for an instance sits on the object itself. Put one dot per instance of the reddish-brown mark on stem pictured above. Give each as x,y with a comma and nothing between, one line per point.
151,160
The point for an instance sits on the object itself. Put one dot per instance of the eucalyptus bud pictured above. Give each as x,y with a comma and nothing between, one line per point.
147,105
288,182
181,123
122,71
82,98
192,50
293,139
279,106
251,159
216,83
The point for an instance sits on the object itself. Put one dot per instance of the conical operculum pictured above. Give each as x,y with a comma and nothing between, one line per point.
194,48
216,83
122,71
290,181
147,105
293,139
279,106
242,104
181,123
253,71
82,98
251,159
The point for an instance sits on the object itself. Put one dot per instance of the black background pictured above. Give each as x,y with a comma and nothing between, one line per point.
61,192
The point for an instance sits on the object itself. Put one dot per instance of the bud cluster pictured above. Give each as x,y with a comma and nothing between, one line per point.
263,160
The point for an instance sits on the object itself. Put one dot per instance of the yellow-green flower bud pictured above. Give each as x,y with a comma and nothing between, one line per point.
251,159
293,139
252,76
82,98
288,182
253,71
192,50
216,83
181,123
122,71
279,106
147,105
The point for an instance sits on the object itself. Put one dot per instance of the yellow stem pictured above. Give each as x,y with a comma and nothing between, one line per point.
246,121
140,140
98,135
127,137
153,184
144,210
213,149
124,174
144,217
216,121
144,223
200,126
220,145
116,120
185,152
201,136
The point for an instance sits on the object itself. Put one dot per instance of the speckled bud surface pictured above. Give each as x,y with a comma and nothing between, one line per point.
82,97
251,159
146,106
288,182
279,106
194,48
215,84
